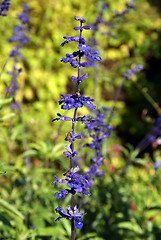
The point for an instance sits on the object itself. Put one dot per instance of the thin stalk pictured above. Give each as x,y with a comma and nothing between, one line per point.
149,98
28,178
116,99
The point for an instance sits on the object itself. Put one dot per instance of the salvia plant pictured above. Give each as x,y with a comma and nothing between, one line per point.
4,7
77,183
110,24
98,130
130,72
20,38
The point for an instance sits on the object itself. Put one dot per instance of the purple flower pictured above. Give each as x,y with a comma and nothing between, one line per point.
69,153
61,194
131,72
70,39
75,101
79,79
84,47
59,181
33,227
71,137
129,5
71,214
156,165
20,37
13,87
23,17
85,119
98,131
77,182
80,19
63,118
4,7
137,68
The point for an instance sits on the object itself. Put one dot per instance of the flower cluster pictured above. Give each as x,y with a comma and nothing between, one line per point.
20,37
151,136
70,214
4,7
128,5
157,165
131,72
98,131
75,101
127,75
76,183
102,8
84,119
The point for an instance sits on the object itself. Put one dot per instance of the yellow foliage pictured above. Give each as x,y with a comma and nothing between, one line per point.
156,24
152,172
28,93
113,54
124,50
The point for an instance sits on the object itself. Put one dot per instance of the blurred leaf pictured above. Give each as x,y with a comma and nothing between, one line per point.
29,153
10,208
17,132
39,146
140,161
90,236
49,231
57,150
7,116
5,101
130,226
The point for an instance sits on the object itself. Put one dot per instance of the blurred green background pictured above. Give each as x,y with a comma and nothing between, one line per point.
128,196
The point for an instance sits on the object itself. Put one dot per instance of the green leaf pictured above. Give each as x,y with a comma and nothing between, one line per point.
130,226
29,153
139,161
7,116
90,236
10,208
57,150
5,101
134,154
40,146
17,132
49,231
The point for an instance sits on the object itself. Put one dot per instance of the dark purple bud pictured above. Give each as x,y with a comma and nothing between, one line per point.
80,19
87,27
78,28
84,64
157,165
74,79
61,194
74,63
84,47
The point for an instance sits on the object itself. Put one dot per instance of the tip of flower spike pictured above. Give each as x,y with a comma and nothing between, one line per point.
80,19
